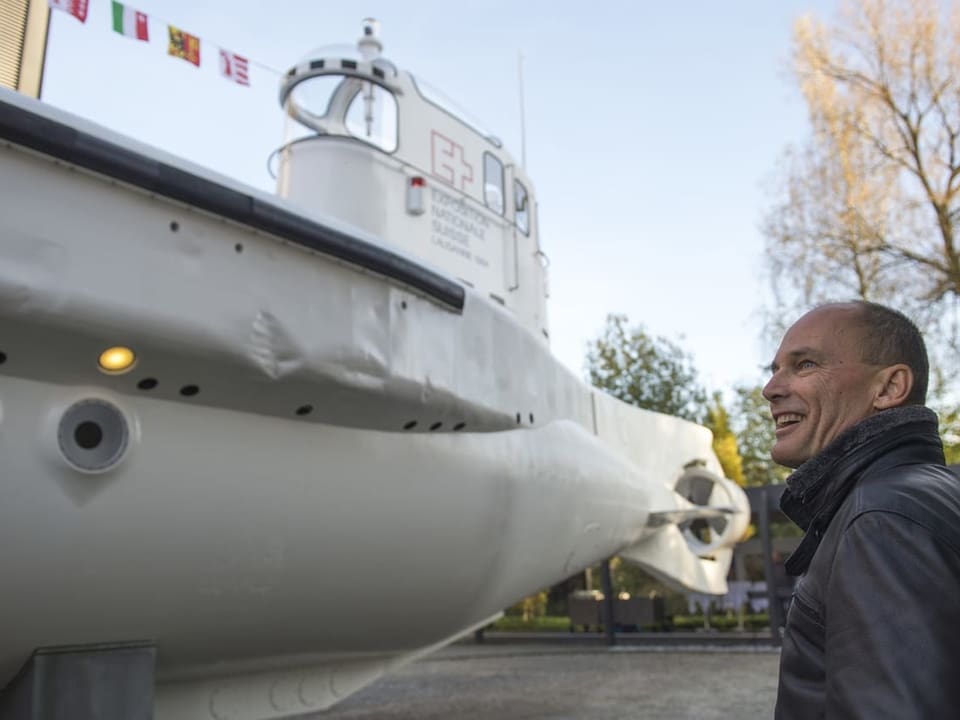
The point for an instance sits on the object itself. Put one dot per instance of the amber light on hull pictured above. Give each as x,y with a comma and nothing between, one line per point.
117,359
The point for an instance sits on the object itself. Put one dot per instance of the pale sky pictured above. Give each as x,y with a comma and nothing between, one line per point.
653,132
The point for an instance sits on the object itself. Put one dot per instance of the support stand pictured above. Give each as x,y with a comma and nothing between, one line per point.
774,608
91,682
606,582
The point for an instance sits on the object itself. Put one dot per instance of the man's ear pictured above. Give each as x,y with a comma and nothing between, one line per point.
896,383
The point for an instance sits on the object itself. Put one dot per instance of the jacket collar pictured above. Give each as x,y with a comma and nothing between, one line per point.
817,488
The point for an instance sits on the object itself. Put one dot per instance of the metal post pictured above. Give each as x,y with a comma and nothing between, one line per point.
607,608
523,120
739,572
773,599
104,682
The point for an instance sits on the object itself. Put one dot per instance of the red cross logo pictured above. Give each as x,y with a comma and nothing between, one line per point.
448,161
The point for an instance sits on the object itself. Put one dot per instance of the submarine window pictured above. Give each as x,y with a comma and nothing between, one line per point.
459,426
531,418
314,94
438,98
372,116
238,247
3,358
518,419
189,390
410,425
88,434
521,211
493,182
174,226
304,410
147,384
436,426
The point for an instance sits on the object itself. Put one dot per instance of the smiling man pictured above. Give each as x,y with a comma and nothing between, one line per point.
873,630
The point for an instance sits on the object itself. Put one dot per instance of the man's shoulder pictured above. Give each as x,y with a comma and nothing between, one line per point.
933,481
924,493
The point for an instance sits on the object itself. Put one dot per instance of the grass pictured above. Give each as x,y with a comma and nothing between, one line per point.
553,623
547,623
721,622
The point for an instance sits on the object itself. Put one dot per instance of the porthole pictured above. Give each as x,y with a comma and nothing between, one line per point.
93,435
189,390
88,434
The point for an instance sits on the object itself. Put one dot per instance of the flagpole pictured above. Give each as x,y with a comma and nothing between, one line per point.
523,124
43,57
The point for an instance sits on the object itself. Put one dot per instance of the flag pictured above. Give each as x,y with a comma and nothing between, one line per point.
234,67
184,45
129,22
77,8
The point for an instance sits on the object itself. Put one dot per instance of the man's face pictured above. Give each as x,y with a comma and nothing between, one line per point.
820,386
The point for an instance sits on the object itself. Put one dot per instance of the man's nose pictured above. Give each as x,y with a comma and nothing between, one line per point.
774,388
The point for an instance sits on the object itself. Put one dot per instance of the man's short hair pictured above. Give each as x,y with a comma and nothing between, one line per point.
890,337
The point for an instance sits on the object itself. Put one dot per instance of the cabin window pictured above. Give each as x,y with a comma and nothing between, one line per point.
521,207
372,117
493,183
436,97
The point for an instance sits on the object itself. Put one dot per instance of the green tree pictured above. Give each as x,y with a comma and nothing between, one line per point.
950,433
870,205
753,425
724,439
649,372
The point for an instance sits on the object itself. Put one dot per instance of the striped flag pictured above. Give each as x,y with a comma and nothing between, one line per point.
234,67
77,8
129,22
184,45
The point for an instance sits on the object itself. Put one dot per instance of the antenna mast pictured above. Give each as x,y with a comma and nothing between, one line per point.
523,124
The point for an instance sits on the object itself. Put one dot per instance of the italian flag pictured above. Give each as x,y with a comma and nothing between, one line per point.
129,22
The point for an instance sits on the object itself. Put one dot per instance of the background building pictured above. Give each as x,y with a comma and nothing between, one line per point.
23,39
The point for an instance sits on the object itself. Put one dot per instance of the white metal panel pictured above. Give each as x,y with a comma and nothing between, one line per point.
660,443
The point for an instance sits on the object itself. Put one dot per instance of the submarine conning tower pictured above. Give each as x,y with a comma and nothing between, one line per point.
373,146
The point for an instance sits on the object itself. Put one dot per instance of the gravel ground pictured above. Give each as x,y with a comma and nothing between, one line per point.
473,682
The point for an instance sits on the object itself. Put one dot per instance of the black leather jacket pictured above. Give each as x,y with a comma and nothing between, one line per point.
873,630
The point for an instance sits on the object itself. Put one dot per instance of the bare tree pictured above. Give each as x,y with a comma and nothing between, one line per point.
870,206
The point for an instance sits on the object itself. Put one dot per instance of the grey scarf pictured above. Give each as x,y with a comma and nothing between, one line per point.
818,487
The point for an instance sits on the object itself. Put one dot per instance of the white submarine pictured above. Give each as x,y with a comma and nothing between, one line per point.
289,442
